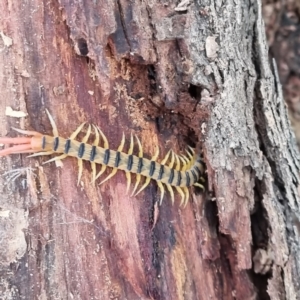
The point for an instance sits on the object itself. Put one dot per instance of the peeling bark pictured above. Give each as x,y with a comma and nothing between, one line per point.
190,72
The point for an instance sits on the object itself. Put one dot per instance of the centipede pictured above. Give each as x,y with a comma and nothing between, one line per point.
173,172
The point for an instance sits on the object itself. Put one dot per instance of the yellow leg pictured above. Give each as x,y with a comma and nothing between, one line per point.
106,146
60,157
192,150
27,132
80,168
177,162
87,135
103,168
184,163
187,161
139,146
138,180
187,195
128,177
179,190
113,173
169,187
138,176
75,133
199,185
189,154
41,153
144,185
163,162
93,166
52,122
130,151
171,164
162,191
122,143
97,136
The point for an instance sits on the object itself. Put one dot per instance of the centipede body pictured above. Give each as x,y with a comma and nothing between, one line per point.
181,171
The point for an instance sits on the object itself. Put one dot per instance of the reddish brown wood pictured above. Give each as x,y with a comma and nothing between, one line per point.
173,78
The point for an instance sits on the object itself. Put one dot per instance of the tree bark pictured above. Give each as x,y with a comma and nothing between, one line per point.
175,74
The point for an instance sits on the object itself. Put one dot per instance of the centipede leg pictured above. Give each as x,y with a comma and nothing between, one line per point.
128,178
179,190
60,157
199,185
187,195
162,191
52,122
177,160
171,164
144,185
96,143
102,170
40,153
169,187
138,176
113,173
114,170
163,162
84,140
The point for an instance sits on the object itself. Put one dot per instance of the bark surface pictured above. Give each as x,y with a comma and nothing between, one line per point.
176,74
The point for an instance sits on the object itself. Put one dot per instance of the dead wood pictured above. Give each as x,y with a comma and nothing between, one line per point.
174,73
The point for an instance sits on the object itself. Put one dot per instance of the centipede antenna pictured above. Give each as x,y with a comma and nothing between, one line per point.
163,162
60,157
169,187
52,122
130,151
87,135
162,191
179,190
113,173
171,164
147,181
75,133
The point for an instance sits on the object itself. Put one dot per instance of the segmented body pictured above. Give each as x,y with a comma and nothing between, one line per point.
180,173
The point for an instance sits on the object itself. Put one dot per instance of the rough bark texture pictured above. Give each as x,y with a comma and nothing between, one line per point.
174,73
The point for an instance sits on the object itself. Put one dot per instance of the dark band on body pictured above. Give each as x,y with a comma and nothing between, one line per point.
93,153
81,150
129,162
106,156
55,143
